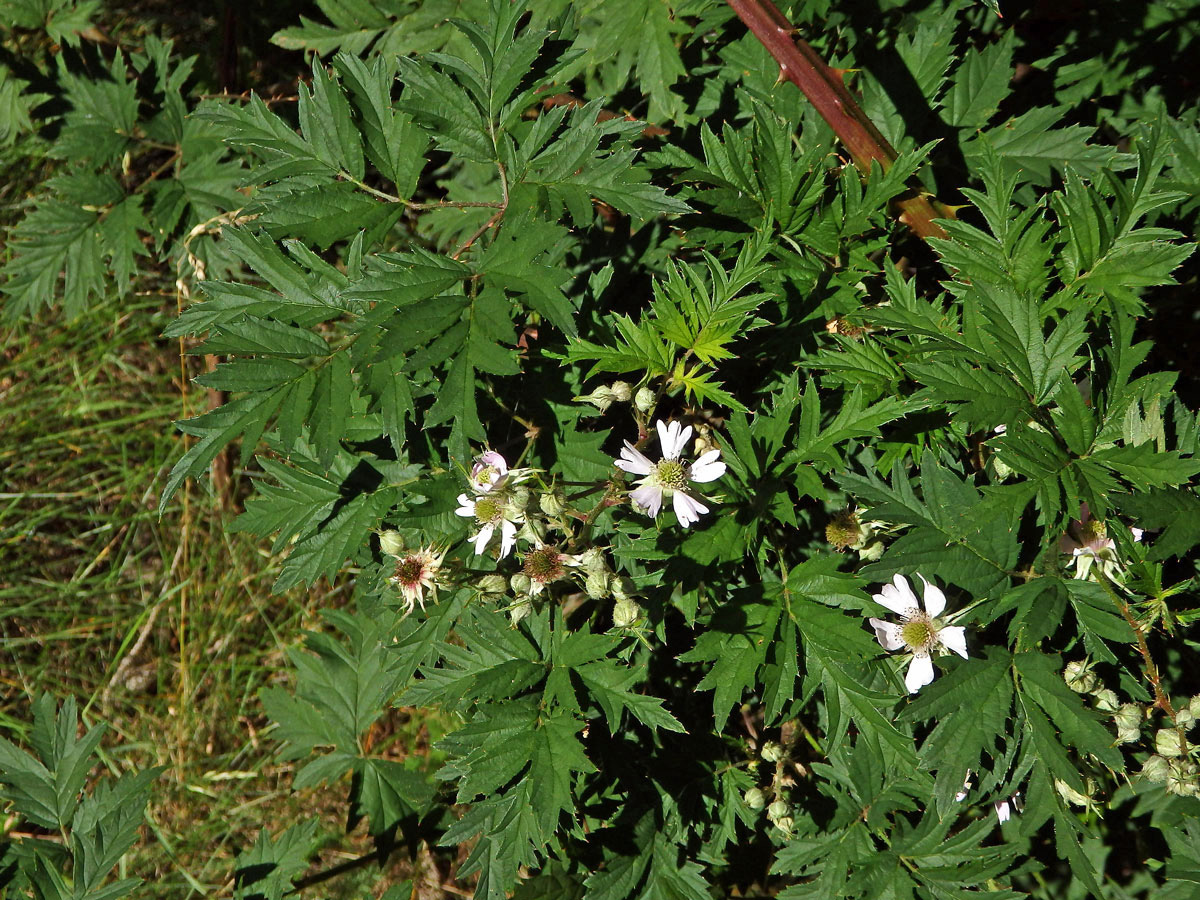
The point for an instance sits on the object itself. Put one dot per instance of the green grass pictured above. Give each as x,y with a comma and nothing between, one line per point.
165,628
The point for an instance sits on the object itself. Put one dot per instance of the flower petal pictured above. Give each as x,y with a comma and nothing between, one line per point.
1136,532
920,673
687,509
466,507
481,539
935,600
672,437
633,461
489,468
954,637
1003,811
887,633
706,468
508,537
648,497
898,596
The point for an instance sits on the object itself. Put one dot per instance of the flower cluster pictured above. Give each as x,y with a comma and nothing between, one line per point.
501,508
495,506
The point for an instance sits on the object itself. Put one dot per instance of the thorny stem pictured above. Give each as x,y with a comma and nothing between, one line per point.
1161,700
827,92
609,499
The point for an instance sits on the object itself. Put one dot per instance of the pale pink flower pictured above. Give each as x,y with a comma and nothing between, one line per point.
1088,543
416,573
919,631
670,477
488,470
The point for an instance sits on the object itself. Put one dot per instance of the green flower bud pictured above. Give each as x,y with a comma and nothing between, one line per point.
596,585
871,551
622,391
644,399
520,583
771,752
1183,778
785,824
1168,742
532,531
492,584
391,543
601,398
520,497
592,561
520,610
1185,718
552,503
1071,795
1128,719
1080,678
1155,769
1194,706
622,587
778,809
1106,700
754,798
626,612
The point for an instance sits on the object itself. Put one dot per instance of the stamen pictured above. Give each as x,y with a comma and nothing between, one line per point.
409,570
488,510
670,474
918,634
544,565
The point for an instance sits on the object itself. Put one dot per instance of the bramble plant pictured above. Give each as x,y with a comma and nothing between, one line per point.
767,523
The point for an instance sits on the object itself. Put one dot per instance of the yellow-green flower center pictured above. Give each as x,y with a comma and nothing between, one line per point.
842,531
544,564
918,634
670,473
489,510
1092,531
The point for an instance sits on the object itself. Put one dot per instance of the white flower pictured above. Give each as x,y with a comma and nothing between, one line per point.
1088,543
920,632
488,471
669,477
491,511
415,573
1005,808
966,789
